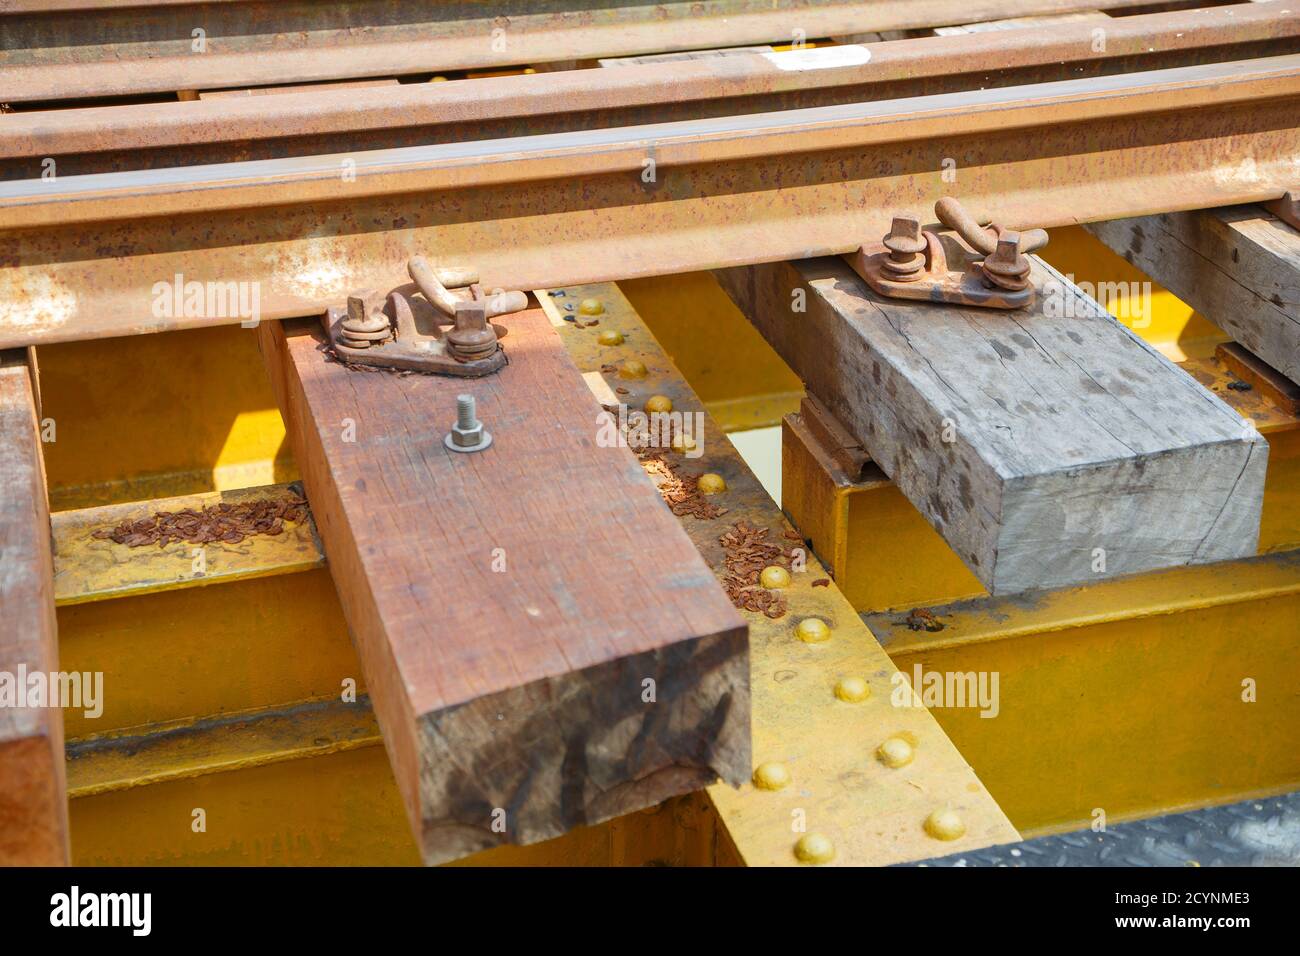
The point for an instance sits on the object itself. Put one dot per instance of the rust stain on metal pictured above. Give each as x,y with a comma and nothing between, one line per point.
148,49
746,553
323,120
680,491
224,523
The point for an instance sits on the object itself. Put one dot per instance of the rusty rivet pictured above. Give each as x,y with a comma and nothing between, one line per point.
852,690
711,484
632,369
811,630
771,776
774,576
944,825
591,307
610,337
814,848
658,403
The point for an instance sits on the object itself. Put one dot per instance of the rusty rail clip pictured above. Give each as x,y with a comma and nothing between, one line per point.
912,263
423,326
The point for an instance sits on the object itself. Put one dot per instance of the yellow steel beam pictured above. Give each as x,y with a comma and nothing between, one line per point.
336,805
173,750
868,812
1129,698
740,379
194,652
87,568
309,784
155,416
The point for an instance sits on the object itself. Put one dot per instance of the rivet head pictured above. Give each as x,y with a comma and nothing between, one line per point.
814,848
771,776
683,443
610,337
658,403
852,690
711,484
633,369
774,576
811,630
895,752
944,825
591,307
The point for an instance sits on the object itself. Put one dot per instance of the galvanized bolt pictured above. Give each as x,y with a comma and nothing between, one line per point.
905,244
468,434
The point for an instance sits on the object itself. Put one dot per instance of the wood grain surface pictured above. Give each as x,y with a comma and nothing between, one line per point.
511,606
1049,447
33,791
1238,266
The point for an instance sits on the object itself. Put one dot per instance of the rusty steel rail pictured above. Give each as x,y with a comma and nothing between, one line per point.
151,48
563,209
105,139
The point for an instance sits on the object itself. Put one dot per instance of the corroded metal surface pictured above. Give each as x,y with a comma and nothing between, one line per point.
322,120
580,208
247,44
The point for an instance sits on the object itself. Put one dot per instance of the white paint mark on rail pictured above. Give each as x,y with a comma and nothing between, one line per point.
819,58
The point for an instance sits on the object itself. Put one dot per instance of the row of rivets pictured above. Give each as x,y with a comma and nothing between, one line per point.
896,752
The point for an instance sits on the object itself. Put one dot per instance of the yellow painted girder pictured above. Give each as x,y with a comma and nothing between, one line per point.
87,568
871,813
153,416
1133,697
203,651
742,382
177,749
310,784
337,809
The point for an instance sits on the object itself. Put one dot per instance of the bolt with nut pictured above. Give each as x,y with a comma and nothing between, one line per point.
468,434
906,245
1006,267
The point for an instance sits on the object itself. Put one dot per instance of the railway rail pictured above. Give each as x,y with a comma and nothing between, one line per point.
308,152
